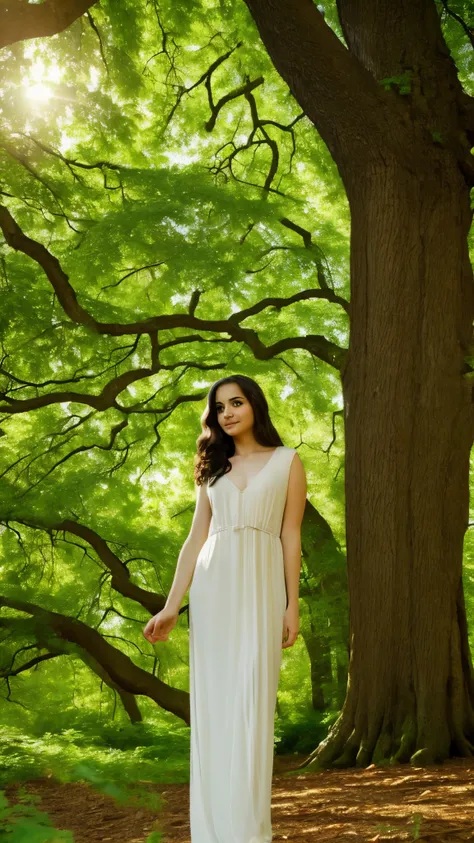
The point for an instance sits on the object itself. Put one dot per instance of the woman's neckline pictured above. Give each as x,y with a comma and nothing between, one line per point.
254,477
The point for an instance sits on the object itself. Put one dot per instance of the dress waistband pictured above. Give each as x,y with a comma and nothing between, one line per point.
235,527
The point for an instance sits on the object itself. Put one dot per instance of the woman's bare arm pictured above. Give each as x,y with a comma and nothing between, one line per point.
291,528
190,550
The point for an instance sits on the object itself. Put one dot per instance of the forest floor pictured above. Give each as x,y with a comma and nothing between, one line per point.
401,803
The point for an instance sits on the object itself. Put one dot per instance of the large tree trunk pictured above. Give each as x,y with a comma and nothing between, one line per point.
408,426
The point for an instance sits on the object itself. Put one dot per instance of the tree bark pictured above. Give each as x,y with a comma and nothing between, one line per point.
409,431
22,20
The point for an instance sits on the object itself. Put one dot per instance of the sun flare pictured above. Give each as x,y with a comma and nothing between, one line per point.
39,92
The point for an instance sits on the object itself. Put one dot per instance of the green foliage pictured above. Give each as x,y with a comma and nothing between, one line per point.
24,823
302,731
116,769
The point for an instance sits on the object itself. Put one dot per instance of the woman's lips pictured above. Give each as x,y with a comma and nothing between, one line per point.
230,424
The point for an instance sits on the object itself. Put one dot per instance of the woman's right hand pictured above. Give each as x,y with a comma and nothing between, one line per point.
159,626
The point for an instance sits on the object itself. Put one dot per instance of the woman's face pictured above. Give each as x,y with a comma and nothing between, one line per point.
234,410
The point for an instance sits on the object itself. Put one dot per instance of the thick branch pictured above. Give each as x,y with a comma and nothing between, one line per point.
66,295
20,21
120,580
317,345
415,42
332,87
128,700
415,52
59,280
119,667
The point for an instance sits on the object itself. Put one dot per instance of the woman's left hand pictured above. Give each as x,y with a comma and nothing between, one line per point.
291,625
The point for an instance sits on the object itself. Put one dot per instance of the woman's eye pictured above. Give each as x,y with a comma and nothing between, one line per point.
235,404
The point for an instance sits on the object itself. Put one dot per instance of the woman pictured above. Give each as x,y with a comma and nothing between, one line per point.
243,557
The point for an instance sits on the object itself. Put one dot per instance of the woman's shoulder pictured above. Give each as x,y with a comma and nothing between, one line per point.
287,453
291,457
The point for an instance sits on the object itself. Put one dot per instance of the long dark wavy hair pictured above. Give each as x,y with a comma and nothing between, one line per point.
215,446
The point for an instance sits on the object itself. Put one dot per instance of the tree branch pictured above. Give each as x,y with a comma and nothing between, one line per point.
469,30
206,78
120,580
14,671
128,700
258,125
313,61
14,236
417,52
118,666
242,90
21,20
319,346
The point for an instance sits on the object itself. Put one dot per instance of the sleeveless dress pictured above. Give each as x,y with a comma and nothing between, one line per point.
237,600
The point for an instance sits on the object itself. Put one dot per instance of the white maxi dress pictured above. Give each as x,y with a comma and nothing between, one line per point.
237,600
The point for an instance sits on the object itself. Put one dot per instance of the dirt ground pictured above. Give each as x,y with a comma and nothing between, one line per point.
434,804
